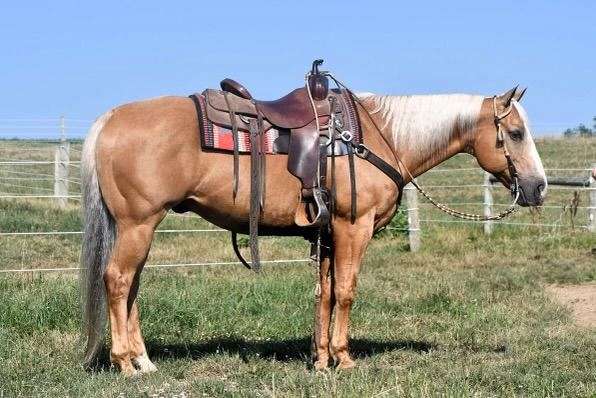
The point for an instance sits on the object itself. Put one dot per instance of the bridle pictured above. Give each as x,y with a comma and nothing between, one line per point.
514,185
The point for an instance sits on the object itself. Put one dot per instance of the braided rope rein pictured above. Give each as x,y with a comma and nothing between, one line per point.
452,212
467,216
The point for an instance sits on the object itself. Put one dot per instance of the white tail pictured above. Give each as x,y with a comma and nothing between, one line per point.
98,239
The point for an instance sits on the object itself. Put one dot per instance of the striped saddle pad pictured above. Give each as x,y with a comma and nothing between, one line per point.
218,137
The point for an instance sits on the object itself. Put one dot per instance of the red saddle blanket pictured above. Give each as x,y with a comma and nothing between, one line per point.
219,138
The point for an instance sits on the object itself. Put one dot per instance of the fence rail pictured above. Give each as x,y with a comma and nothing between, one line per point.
66,187
586,183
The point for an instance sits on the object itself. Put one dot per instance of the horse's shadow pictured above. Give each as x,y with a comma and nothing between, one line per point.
297,349
287,350
279,350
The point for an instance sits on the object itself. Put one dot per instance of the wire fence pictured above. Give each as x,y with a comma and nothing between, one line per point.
179,265
48,169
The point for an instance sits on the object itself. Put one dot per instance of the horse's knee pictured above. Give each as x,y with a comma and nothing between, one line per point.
344,296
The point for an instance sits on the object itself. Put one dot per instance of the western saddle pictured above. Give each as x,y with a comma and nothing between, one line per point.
310,114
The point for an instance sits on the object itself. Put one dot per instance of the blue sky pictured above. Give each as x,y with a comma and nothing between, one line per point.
79,59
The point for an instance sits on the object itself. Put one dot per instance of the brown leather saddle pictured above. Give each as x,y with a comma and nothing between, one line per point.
304,115
292,112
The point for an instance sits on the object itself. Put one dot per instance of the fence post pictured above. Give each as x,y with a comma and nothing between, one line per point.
592,194
61,161
488,203
413,221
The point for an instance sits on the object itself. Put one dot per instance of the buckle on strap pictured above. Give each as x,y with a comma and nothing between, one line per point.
514,186
361,151
346,136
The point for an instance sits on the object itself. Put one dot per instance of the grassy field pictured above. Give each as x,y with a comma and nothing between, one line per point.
467,315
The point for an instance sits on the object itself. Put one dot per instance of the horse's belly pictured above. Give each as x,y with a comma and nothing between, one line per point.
214,201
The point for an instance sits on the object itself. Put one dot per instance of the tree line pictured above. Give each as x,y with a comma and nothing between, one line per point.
581,130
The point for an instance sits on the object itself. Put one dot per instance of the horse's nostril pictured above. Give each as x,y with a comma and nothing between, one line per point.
539,190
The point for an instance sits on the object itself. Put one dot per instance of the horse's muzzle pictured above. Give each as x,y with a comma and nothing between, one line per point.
532,191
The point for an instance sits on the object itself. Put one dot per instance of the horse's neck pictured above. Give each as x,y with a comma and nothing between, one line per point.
425,130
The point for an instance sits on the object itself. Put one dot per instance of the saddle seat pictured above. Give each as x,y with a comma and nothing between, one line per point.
291,111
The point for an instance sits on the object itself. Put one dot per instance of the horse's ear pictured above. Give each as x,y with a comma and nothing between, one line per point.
505,98
519,94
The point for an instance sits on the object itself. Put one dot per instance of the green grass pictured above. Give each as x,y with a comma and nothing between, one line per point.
467,315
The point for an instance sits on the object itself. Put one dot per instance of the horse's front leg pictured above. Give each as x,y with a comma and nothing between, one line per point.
323,309
351,241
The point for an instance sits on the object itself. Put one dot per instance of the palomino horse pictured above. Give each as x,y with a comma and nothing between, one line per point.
142,159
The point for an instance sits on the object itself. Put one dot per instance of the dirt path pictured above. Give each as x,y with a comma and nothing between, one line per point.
580,298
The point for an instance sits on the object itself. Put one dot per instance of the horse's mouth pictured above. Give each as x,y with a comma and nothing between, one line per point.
531,190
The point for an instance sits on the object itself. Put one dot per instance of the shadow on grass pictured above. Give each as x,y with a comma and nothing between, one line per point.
288,350
297,349
279,350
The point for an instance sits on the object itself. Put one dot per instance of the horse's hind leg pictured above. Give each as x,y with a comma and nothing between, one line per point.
129,254
138,352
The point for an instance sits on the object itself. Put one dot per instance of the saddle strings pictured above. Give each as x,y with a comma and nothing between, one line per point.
317,259
452,212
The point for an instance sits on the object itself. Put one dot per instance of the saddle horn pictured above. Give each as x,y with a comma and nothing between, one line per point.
318,83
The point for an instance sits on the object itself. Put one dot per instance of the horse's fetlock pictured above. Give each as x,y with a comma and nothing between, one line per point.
120,356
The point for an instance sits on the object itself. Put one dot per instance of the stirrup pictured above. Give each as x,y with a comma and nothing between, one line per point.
314,210
322,217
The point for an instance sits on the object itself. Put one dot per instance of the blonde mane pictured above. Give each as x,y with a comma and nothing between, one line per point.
425,124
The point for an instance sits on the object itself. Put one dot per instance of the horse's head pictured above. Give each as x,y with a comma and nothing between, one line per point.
503,131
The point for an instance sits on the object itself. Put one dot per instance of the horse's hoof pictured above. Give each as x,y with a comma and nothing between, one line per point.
321,365
129,371
148,368
346,363
144,364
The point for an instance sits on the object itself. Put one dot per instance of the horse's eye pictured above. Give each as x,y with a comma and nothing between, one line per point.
516,135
